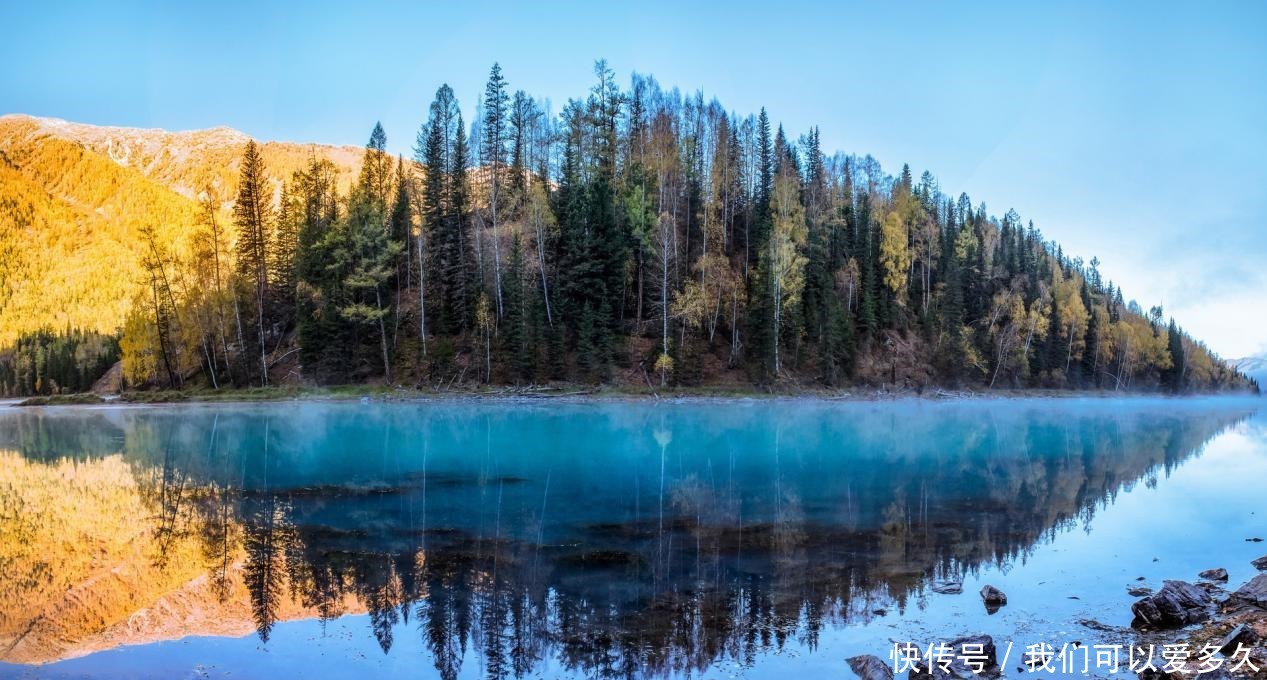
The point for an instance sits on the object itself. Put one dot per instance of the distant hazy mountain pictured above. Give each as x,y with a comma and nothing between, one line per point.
1254,367
73,198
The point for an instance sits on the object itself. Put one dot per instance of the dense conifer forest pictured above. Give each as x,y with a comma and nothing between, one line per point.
641,236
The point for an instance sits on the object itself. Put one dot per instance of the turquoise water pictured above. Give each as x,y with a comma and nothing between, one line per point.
631,539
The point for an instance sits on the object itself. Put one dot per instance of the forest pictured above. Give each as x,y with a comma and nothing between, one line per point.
641,237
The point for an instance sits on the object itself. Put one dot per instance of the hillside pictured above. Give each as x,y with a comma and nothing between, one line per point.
642,237
74,197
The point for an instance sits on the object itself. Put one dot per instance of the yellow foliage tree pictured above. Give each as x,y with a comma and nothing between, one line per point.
895,254
1067,296
787,263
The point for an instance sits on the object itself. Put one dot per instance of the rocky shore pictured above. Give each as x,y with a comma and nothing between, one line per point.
1203,630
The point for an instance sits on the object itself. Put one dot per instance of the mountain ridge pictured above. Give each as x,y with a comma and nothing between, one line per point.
1253,366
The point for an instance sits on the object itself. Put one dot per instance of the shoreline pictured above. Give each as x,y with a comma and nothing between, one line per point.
568,392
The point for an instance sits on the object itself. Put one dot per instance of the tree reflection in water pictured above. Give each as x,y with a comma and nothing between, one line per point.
621,539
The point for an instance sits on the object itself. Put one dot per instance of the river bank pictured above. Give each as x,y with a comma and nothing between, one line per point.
574,391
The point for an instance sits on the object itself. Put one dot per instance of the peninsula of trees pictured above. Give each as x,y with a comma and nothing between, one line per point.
640,237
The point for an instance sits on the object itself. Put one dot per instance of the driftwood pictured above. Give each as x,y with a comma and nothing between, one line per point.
277,360
643,365
953,394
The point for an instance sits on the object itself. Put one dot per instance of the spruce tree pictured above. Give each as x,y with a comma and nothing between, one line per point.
400,226
370,252
319,274
252,212
460,268
282,251
1175,376
493,152
516,334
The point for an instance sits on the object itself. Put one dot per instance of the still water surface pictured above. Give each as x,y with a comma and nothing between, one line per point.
618,539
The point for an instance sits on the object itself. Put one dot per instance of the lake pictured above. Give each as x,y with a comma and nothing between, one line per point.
718,539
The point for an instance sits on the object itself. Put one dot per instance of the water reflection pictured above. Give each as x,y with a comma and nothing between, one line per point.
613,540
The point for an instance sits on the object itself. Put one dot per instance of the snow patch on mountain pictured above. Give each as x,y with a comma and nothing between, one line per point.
1254,367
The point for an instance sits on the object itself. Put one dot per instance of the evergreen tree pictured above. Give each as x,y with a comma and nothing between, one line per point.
252,213
516,334
319,274
1174,375
281,255
443,155
370,252
493,151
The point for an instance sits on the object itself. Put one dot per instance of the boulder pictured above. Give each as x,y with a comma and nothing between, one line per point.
975,647
870,667
1241,634
1260,563
1138,591
1254,592
993,598
1219,574
1176,605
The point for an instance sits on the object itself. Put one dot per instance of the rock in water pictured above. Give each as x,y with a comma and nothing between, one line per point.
1151,673
1176,605
993,598
1260,563
1219,574
969,658
1254,592
1138,591
948,587
870,667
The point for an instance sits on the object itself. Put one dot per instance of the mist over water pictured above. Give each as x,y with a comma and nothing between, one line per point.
475,539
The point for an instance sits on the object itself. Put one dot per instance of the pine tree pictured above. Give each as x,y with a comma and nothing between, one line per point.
401,226
765,182
319,292
281,255
370,252
466,287
493,150
252,213
515,334
443,155
1175,376
523,119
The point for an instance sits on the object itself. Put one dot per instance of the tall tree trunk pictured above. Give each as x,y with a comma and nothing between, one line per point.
422,297
237,314
382,332
497,249
263,352
541,265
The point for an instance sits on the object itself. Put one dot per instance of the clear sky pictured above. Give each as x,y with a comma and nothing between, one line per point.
1132,131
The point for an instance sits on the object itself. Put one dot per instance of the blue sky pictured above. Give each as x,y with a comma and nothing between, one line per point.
1132,131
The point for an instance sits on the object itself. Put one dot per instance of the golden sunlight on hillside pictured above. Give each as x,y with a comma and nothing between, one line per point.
74,198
